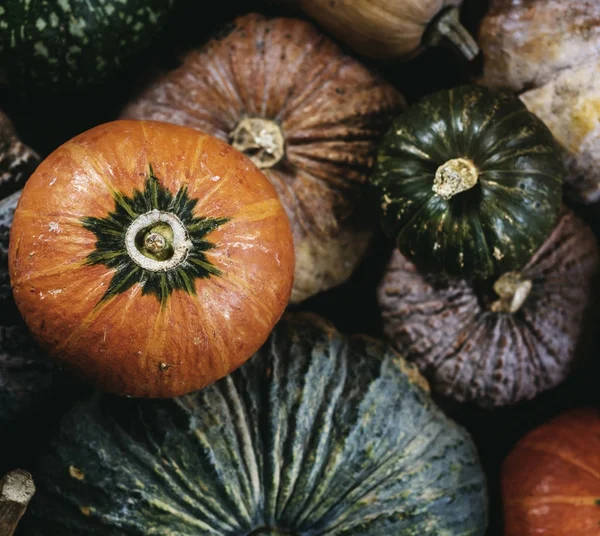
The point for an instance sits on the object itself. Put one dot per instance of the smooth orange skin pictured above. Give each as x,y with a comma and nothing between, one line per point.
551,479
129,345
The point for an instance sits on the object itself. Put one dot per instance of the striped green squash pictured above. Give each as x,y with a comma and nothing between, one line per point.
317,434
469,182
53,43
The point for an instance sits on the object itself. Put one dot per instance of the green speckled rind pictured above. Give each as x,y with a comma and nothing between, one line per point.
74,42
492,228
315,435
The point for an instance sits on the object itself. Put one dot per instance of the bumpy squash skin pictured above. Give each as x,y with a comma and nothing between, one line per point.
473,354
331,110
17,161
498,224
525,43
69,43
130,330
551,479
316,434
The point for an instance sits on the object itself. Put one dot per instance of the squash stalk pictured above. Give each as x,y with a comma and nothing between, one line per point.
513,290
455,176
157,241
447,30
259,139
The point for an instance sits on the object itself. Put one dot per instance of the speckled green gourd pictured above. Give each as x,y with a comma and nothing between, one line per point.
317,434
469,182
74,42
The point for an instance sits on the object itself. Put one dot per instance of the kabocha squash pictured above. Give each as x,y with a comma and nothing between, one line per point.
496,342
72,43
393,29
551,479
549,51
150,258
316,434
469,182
306,114
17,161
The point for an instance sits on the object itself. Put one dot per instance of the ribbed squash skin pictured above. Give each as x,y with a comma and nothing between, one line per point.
72,42
316,434
495,226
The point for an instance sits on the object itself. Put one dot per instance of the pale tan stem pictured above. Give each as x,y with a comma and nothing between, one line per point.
447,30
455,176
513,289
16,490
259,139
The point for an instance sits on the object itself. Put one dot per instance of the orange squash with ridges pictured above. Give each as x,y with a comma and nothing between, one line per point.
551,479
150,258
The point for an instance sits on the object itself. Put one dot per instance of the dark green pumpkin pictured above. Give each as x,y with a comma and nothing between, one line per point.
317,434
74,42
503,156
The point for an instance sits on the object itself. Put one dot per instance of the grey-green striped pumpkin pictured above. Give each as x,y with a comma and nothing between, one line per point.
469,181
317,434
64,43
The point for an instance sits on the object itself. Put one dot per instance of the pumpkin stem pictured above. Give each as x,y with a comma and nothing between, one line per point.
446,29
513,290
157,241
455,176
16,490
259,139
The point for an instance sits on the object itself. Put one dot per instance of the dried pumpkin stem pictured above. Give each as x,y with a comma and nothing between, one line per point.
513,290
16,490
455,176
446,29
260,139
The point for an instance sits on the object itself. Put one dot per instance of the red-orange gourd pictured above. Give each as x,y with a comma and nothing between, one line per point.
150,258
551,479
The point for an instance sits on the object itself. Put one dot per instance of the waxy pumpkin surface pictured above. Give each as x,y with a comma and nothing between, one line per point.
551,479
317,434
469,182
150,258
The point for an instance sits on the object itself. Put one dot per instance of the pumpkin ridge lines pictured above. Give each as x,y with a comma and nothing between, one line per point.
311,90
322,434
564,456
247,455
142,459
531,501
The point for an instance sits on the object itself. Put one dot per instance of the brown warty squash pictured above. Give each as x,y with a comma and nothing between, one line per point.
150,258
309,116
549,52
17,161
551,479
497,342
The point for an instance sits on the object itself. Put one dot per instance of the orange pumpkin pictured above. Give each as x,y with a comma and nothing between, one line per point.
150,258
551,479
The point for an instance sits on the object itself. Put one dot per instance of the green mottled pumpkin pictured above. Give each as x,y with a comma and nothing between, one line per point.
74,42
470,182
317,434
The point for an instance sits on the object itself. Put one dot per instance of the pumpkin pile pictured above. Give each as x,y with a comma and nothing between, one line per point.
313,267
